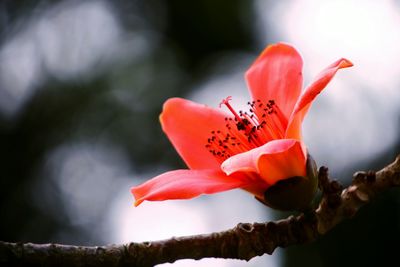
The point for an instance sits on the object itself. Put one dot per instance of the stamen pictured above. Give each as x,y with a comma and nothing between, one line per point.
243,122
245,131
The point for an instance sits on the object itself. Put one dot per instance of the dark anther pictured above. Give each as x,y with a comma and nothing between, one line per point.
240,126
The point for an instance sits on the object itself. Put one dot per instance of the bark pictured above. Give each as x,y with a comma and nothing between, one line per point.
245,241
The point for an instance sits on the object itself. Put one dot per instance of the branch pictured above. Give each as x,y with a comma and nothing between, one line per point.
245,241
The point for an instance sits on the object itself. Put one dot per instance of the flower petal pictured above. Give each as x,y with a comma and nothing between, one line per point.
188,125
276,75
274,161
309,94
185,184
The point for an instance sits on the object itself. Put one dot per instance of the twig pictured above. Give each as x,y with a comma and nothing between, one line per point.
245,241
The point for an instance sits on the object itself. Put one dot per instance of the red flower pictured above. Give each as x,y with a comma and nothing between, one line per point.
251,150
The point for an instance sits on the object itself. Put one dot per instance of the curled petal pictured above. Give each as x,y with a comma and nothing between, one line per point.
185,184
276,75
188,125
284,164
274,161
309,94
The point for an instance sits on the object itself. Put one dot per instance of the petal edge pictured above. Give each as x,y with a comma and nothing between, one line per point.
270,161
309,94
276,75
185,184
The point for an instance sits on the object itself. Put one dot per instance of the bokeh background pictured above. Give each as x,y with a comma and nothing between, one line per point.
82,84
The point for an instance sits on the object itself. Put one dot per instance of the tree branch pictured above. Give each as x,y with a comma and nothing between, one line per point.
245,241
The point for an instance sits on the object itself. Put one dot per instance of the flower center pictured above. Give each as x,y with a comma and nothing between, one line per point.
247,130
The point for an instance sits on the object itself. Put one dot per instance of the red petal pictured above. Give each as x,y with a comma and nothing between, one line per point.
185,184
309,94
274,161
276,75
188,125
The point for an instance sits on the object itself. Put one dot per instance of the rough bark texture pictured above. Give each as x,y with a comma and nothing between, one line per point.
245,241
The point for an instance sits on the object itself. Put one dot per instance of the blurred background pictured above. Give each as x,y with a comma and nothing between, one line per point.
82,84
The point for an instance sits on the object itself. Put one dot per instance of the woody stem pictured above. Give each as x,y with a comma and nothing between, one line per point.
245,241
